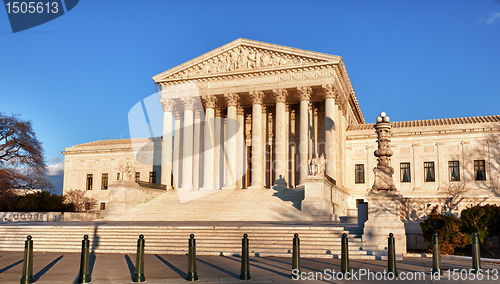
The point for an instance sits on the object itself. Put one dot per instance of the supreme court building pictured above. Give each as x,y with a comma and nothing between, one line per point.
248,118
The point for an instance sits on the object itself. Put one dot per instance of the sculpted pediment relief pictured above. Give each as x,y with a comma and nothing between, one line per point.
244,55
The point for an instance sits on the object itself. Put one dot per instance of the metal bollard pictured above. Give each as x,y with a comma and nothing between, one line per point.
476,254
296,257
344,264
139,261
245,263
192,275
27,277
85,261
392,256
436,256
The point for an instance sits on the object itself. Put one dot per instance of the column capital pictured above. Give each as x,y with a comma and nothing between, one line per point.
177,114
305,93
188,103
240,110
209,101
257,97
330,91
231,99
197,114
167,105
218,112
280,95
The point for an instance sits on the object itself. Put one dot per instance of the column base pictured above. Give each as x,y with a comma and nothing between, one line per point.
207,188
256,186
230,187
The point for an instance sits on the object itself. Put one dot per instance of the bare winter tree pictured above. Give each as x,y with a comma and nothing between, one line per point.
22,165
79,200
455,192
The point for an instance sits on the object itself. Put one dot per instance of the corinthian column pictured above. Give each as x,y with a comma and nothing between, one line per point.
209,153
231,151
166,167
187,149
280,164
256,156
330,93
177,149
305,93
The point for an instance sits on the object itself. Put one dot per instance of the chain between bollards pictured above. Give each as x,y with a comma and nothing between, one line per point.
476,254
245,262
296,257
27,277
344,260
85,261
391,265
139,261
436,256
192,275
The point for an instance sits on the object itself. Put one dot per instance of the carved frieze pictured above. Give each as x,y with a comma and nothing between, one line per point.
243,58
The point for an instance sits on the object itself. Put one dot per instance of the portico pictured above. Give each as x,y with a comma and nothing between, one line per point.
255,141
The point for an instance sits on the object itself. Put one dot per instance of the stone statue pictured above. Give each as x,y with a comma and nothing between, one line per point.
127,172
383,172
317,166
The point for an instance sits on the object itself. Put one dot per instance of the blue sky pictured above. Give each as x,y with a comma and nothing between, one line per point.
78,76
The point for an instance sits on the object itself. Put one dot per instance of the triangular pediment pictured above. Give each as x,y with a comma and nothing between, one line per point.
244,55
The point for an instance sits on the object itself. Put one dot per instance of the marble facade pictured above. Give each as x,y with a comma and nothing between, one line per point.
251,115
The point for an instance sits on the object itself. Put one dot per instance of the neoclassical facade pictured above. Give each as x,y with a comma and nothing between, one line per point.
252,115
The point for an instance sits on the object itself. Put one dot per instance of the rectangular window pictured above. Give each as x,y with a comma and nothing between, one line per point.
90,180
152,177
405,172
479,172
103,206
454,169
359,173
429,171
87,206
104,183
137,176
117,176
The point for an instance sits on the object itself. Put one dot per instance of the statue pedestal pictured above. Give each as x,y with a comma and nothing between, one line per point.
318,198
384,218
383,178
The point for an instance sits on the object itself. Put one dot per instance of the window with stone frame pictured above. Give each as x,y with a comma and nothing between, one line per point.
117,176
479,170
454,170
90,181
137,176
104,181
429,173
103,206
87,206
405,172
359,173
152,177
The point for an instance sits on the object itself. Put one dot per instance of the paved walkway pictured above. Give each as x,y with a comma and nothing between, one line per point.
57,268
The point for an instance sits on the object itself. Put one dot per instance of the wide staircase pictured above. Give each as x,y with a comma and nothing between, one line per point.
220,205
266,239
